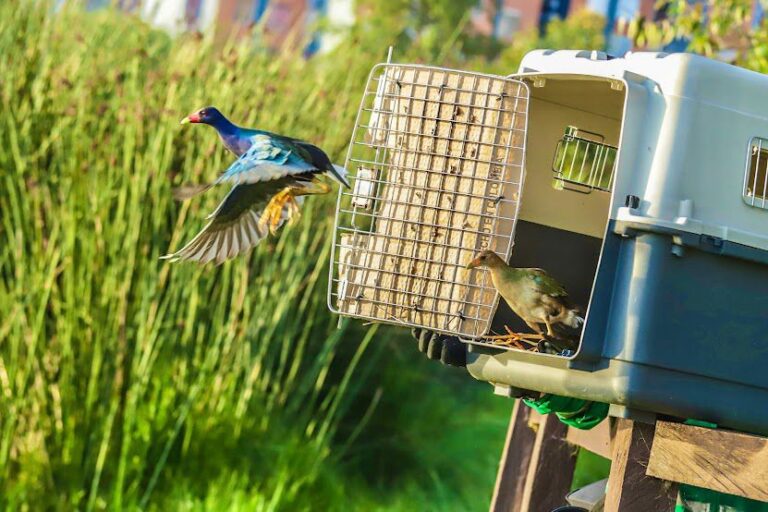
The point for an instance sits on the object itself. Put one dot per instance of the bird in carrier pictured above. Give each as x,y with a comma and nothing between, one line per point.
538,299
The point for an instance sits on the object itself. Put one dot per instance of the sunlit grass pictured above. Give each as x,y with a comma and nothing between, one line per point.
120,372
127,382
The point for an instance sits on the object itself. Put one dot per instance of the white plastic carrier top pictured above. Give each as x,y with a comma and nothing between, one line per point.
693,144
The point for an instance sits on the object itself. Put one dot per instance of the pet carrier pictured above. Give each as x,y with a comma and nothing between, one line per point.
640,183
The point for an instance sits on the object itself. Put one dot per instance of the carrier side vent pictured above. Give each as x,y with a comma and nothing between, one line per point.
583,162
755,191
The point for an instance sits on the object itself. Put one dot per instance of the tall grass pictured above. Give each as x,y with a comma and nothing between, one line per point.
129,383
121,375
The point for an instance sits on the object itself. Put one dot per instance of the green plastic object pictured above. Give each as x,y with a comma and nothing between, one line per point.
701,423
574,412
696,498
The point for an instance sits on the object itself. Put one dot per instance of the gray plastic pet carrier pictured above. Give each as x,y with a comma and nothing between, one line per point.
640,183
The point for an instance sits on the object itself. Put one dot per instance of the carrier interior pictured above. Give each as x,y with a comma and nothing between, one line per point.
561,226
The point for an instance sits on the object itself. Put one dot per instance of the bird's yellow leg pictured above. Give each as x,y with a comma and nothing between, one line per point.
294,208
550,331
313,188
273,213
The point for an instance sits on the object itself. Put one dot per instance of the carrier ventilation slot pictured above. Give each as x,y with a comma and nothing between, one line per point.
756,178
583,162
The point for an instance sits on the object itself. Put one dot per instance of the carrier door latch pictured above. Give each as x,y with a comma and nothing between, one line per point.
711,243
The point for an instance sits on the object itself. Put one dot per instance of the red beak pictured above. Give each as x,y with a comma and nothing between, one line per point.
191,118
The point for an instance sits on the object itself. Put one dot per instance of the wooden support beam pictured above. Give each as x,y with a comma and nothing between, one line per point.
536,468
722,460
510,479
629,489
551,470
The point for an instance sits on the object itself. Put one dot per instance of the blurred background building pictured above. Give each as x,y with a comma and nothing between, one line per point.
296,20
281,19
502,19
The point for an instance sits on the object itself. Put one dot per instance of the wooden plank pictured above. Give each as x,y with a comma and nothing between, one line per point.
551,470
721,460
596,440
629,489
513,466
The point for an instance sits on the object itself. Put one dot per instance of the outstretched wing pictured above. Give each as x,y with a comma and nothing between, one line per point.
235,226
546,284
268,158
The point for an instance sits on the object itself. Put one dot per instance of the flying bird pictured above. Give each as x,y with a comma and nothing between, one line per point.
537,298
269,179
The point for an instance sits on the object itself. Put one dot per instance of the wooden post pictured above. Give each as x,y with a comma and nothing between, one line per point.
536,468
648,460
513,467
551,470
629,489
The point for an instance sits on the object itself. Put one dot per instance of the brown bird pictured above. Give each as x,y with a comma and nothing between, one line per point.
537,298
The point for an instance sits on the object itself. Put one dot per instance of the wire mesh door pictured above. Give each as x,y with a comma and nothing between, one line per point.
436,164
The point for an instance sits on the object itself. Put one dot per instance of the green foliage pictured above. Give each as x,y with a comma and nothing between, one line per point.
426,30
582,30
711,28
129,383
590,467
119,372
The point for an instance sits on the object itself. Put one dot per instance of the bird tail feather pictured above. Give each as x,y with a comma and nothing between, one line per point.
340,174
567,330
574,319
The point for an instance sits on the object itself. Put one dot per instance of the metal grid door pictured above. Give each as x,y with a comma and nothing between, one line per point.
436,164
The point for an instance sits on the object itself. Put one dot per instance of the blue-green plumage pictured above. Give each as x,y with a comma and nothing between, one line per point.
270,176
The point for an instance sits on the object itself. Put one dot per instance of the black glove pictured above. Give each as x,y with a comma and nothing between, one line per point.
448,349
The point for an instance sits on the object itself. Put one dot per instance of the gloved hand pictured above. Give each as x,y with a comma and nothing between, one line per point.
448,349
